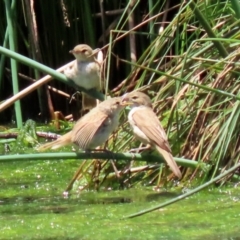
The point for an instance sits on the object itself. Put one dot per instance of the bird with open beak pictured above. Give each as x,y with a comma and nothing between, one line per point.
147,128
85,73
93,129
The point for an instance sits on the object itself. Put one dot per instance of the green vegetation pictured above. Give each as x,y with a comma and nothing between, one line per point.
33,207
185,56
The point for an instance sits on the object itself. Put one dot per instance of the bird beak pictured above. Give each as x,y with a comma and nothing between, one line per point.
94,52
125,100
124,103
71,51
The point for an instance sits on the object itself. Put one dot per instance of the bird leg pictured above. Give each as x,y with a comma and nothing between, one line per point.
140,149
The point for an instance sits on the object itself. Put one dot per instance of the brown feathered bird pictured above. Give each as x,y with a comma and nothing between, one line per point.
85,73
147,128
93,129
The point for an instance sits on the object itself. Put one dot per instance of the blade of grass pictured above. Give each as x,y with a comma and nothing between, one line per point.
203,20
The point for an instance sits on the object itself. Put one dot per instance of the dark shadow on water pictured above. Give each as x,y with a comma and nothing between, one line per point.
160,195
53,204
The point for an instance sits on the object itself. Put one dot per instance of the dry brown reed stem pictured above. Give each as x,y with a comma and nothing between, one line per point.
53,89
141,24
109,13
132,38
202,117
39,134
31,88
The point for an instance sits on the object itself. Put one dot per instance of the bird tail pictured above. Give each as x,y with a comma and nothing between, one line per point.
170,161
60,142
88,102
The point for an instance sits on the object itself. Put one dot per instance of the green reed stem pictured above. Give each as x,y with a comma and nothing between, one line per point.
96,155
61,77
12,43
236,7
203,20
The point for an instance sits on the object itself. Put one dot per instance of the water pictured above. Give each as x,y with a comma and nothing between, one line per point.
32,206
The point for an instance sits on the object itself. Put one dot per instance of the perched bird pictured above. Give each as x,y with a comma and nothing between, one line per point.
85,73
147,128
93,129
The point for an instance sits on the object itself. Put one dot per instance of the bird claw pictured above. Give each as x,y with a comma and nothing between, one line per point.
139,149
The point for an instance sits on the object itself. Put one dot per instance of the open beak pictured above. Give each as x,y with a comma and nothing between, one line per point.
125,100
124,103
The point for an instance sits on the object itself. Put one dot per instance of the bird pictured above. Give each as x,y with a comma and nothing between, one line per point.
85,72
93,129
147,128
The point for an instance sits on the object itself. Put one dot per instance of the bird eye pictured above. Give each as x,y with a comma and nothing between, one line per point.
117,103
134,97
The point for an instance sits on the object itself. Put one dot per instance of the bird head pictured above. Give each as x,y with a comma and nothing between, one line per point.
83,52
112,105
136,99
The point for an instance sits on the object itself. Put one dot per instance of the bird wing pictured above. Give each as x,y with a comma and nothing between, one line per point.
86,128
146,120
70,72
